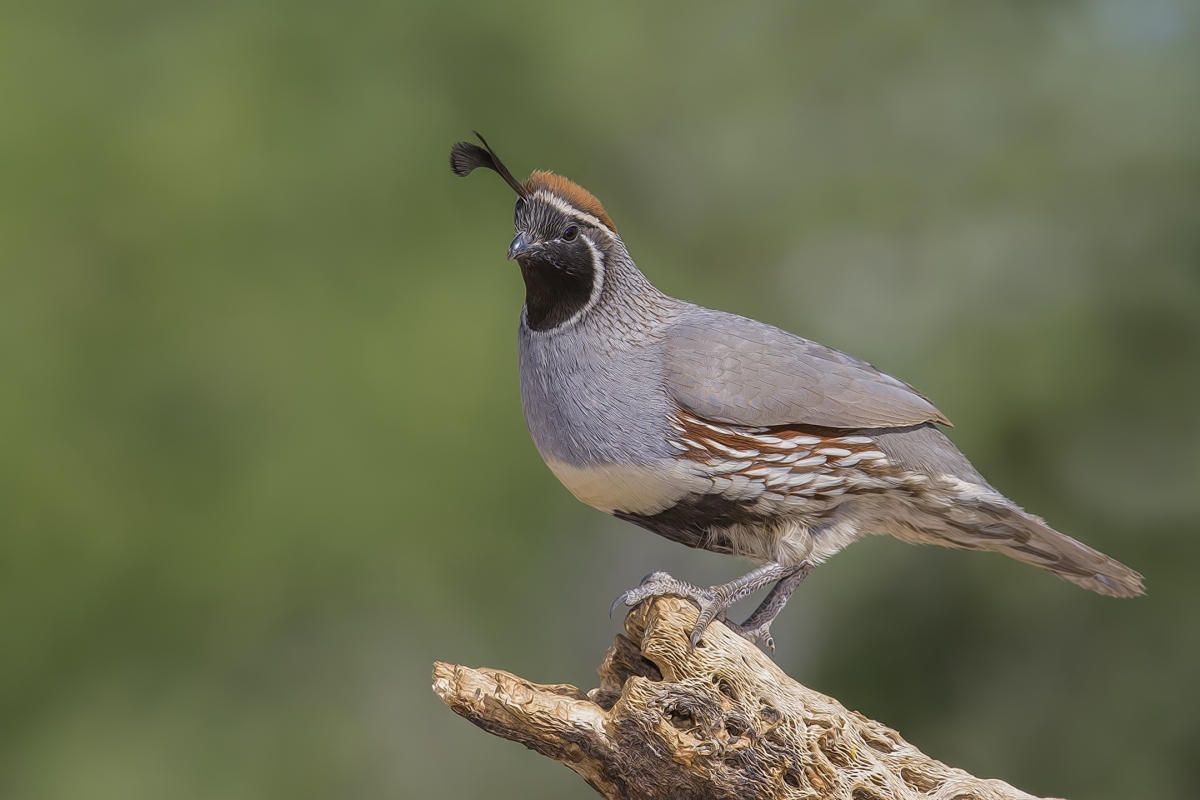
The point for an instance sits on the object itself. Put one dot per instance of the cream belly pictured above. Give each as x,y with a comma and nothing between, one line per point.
633,489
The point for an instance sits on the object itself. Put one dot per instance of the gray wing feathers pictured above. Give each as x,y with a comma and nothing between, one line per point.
735,370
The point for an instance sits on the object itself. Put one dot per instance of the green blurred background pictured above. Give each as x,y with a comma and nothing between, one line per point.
262,459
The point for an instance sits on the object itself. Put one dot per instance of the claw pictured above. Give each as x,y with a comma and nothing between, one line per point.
710,612
760,635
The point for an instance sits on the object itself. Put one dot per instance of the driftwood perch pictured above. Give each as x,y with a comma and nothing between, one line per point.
720,721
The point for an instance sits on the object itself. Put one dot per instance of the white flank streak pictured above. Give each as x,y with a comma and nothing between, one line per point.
799,480
792,458
745,488
855,440
730,451
874,455
715,429
825,481
739,481
769,439
848,461
779,478
807,440
812,461
677,445
722,467
834,452
694,445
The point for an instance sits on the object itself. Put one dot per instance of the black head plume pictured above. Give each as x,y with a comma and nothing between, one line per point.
466,156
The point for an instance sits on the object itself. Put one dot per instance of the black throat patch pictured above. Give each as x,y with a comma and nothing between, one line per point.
558,283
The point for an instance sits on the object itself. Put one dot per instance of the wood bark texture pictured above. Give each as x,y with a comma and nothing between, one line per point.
719,721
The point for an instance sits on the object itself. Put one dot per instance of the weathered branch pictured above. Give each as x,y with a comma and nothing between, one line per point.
720,721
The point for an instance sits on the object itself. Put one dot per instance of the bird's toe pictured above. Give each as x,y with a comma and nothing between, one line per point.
660,584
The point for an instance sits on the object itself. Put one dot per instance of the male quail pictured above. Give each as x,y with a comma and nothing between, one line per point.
724,433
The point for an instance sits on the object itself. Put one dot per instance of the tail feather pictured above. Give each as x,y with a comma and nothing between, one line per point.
1004,528
952,505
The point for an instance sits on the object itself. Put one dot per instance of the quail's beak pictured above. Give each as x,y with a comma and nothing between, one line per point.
520,244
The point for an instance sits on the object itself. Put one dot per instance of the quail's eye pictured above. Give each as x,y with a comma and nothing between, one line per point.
570,233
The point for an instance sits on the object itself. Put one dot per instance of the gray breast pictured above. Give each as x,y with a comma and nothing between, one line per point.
590,400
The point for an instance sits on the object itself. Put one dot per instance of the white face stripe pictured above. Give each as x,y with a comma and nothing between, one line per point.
597,282
566,209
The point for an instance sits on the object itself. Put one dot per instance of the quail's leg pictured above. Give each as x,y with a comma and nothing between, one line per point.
727,594
713,602
757,627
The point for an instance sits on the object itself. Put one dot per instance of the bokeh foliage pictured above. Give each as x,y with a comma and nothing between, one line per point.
262,454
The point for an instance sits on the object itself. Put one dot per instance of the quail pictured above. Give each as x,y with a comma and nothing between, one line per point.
728,434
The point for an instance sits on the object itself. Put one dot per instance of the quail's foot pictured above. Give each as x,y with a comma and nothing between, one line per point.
715,601
660,584
711,602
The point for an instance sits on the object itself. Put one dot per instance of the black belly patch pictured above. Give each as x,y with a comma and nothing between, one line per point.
700,521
